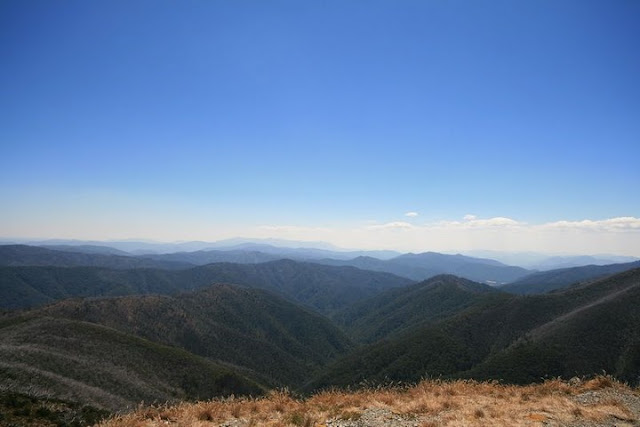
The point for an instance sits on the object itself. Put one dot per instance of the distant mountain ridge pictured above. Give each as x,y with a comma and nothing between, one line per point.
558,262
310,253
203,257
325,288
87,249
542,261
282,247
23,255
428,264
315,249
416,267
546,281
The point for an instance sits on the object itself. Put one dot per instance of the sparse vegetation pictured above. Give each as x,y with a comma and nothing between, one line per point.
438,403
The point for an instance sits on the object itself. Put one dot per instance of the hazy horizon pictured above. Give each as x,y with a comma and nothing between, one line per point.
224,244
410,126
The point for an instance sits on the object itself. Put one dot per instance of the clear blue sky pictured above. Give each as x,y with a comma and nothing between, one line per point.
315,113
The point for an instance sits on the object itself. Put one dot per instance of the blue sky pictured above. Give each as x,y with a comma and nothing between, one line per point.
323,120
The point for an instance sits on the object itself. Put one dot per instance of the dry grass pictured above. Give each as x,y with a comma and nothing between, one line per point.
430,403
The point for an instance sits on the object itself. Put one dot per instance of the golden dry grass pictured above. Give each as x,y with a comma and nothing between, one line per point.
430,403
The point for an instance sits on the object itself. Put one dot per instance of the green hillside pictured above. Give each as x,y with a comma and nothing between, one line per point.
279,341
96,365
324,288
604,335
513,338
24,287
397,310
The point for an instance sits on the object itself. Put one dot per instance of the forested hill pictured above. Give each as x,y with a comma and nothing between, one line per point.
324,288
44,357
280,342
396,310
581,331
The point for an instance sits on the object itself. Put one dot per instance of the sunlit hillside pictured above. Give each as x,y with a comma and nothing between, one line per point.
599,401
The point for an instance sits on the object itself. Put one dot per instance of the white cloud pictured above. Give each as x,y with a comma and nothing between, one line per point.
395,225
498,221
411,214
626,223
471,221
613,235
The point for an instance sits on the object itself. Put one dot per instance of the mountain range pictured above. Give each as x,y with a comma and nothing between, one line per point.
429,264
100,328
306,250
412,266
23,255
542,262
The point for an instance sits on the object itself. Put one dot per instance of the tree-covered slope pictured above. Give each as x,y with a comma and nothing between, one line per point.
24,287
324,288
396,310
514,338
281,342
603,335
93,364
